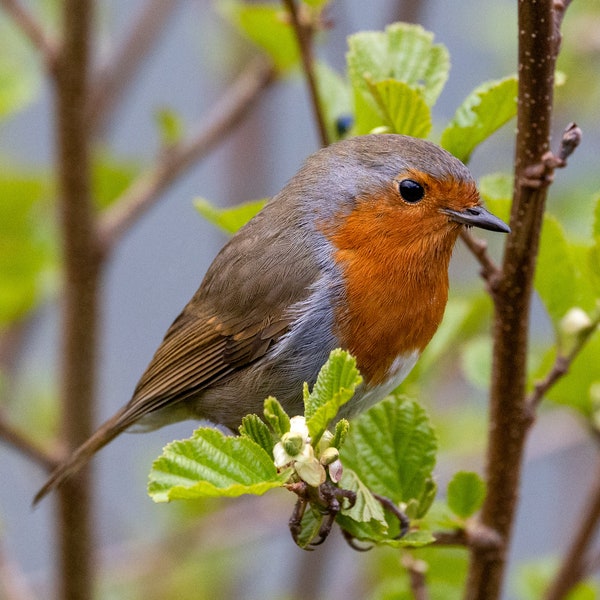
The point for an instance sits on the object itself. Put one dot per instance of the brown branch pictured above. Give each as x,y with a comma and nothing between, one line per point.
509,415
573,567
560,368
20,441
33,29
490,271
111,81
474,535
79,315
237,100
304,36
416,570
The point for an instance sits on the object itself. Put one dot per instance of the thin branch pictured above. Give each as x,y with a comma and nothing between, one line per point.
417,570
573,567
475,536
110,82
490,271
560,368
25,445
304,35
221,120
34,30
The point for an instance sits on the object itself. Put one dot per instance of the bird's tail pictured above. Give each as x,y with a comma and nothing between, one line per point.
81,456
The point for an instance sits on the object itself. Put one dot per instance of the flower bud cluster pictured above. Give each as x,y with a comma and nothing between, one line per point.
311,465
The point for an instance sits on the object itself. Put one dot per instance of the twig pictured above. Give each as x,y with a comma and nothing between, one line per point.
111,81
490,271
560,368
474,535
25,445
573,567
509,415
145,190
416,570
304,36
33,29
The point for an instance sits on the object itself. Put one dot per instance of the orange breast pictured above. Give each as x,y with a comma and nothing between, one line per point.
395,270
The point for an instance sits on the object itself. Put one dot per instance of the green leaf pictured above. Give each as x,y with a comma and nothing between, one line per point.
466,492
485,110
392,449
403,52
211,464
20,74
335,385
402,109
228,219
476,359
28,260
170,126
496,190
276,417
555,265
366,508
334,97
256,429
110,178
267,26
310,525
339,435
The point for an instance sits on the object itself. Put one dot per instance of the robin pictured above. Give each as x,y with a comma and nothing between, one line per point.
352,253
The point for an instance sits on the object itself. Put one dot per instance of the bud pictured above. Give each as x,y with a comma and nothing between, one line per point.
292,443
576,321
330,455
336,470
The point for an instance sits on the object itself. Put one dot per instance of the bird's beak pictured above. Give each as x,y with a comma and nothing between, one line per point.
477,216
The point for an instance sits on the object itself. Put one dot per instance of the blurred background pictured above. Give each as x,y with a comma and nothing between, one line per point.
242,548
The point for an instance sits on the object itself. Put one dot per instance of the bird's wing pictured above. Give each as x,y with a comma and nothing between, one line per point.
240,310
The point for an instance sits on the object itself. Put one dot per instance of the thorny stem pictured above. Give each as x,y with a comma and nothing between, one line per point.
304,35
509,416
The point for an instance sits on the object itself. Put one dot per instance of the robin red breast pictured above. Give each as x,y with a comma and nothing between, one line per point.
352,253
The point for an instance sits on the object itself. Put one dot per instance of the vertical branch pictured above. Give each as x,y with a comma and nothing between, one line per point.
80,297
304,36
509,418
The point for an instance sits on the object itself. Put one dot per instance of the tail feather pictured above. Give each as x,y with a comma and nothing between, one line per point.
82,455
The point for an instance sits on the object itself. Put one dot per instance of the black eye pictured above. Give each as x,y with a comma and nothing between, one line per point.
410,190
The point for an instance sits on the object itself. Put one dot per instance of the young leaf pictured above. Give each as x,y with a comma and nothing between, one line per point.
309,529
403,52
366,508
212,464
228,219
339,435
555,264
335,385
266,26
111,176
254,428
392,449
170,126
466,493
496,190
276,417
401,108
484,111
